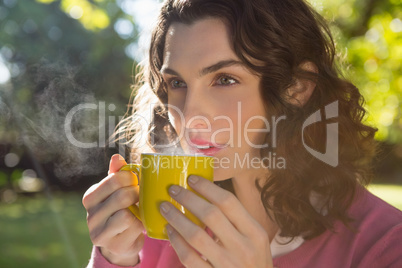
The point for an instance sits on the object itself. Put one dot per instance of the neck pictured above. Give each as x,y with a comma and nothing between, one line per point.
250,197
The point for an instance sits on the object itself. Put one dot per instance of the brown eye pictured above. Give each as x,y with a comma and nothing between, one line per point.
174,83
226,80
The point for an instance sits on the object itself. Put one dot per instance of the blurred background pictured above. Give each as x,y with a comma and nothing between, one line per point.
66,67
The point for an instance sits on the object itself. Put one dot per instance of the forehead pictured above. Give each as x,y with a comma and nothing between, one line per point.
203,41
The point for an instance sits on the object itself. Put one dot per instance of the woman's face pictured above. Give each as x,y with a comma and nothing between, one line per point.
214,100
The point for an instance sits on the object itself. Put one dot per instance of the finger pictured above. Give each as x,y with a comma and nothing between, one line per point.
120,199
193,234
208,213
120,245
228,204
118,223
121,221
116,163
101,191
187,255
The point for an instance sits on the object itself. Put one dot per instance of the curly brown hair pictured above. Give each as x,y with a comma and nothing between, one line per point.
281,34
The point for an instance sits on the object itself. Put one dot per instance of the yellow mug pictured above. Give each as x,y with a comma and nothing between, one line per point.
156,173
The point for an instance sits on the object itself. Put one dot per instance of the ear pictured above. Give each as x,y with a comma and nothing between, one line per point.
300,92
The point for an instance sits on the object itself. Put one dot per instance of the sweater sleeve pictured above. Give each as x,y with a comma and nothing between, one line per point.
98,261
154,254
387,252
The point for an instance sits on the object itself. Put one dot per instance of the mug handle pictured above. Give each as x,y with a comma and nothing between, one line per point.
136,169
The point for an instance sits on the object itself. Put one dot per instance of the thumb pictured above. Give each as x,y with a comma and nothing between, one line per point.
116,163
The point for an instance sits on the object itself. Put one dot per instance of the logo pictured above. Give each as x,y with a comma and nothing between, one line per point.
331,154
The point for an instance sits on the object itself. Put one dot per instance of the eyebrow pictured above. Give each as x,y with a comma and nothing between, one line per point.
207,70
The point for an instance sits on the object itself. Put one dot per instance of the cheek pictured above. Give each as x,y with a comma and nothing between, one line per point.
175,109
176,119
257,132
254,125
177,99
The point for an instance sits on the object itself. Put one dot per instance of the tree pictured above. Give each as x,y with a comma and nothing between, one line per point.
369,34
61,54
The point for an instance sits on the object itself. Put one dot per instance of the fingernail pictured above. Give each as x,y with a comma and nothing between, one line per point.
174,189
165,207
193,179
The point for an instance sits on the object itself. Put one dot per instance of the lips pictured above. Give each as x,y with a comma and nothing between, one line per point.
200,146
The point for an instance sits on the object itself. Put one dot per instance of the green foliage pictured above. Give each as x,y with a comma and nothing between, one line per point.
34,32
369,34
89,14
60,54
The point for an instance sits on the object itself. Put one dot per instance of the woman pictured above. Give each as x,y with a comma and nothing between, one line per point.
239,80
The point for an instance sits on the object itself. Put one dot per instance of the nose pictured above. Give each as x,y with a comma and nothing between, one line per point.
197,109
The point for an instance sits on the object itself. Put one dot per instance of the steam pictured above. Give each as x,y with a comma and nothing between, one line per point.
41,122
58,89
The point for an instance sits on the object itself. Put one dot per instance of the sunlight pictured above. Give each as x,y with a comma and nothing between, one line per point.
144,13
389,193
4,73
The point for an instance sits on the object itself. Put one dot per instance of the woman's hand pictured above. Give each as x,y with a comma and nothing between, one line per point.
112,226
241,240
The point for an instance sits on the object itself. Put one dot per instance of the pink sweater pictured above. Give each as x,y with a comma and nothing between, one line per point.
378,243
